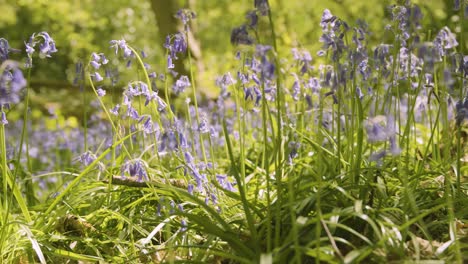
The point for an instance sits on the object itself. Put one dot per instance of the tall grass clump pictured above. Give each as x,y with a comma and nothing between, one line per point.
355,154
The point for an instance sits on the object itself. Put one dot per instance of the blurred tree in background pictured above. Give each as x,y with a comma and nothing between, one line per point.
81,27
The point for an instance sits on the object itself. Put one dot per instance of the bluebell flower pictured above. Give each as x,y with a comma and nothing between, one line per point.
181,84
227,80
258,95
152,75
464,66
95,61
327,18
293,150
214,198
185,16
95,57
170,65
240,35
308,99
4,50
12,82
95,64
17,81
188,157
121,44
445,40
364,70
262,6
461,108
252,18
46,47
97,77
179,44
224,182
204,126
359,93
248,93
296,88
132,113
255,79
395,150
378,156
29,49
190,189
4,120
183,225
135,168
314,84
377,131
304,58
104,60
101,92
87,158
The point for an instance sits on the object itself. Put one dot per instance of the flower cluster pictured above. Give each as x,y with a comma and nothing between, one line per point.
175,44
12,80
185,16
46,47
135,168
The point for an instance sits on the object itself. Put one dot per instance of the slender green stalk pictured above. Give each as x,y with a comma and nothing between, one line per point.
28,184
279,143
266,167
195,100
243,195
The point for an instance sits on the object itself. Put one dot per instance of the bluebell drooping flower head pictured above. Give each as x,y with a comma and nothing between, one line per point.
378,156
179,43
364,69
464,66
262,6
175,44
326,19
204,126
224,182
181,84
314,84
4,50
97,77
293,150
409,63
359,93
377,129
296,87
240,35
444,41
461,108
265,68
122,45
87,158
46,46
12,82
3,119
135,168
185,16
304,59
101,92
333,30
359,35
252,19
115,110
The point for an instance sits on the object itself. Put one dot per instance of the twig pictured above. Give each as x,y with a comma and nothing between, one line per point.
134,182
